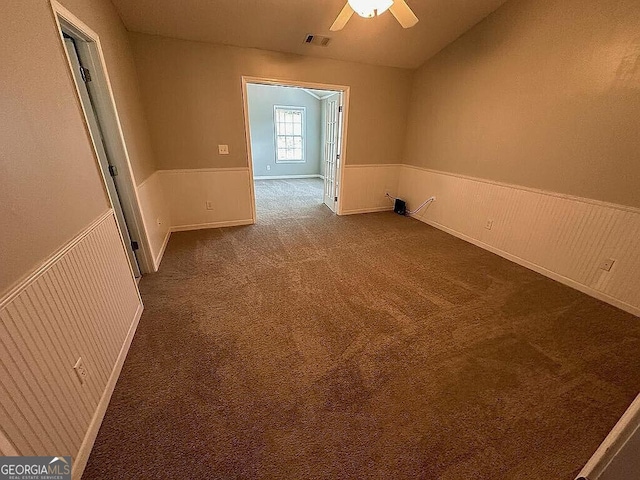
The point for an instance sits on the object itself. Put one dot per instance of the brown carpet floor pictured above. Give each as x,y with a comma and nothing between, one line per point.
311,346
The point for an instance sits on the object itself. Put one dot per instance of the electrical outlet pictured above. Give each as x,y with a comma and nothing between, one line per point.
607,264
268,168
489,224
209,205
159,221
223,149
81,371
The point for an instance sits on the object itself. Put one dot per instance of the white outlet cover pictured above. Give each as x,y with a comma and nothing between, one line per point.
81,371
209,205
489,225
607,264
223,149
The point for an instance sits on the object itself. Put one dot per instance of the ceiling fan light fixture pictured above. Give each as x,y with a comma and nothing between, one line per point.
370,8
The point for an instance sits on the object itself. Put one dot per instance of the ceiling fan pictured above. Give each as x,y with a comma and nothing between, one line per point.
373,8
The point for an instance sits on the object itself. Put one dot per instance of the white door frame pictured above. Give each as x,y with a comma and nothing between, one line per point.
299,84
113,134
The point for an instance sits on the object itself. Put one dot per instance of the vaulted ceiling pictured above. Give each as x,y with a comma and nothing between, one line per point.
282,25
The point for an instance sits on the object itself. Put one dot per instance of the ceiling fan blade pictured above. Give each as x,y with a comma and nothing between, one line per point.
343,17
403,14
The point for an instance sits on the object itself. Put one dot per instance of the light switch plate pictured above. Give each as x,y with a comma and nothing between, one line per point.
223,149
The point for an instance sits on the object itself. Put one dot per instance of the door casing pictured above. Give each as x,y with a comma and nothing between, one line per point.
96,128
343,89
67,21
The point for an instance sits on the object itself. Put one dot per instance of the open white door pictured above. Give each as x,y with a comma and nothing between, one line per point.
332,150
80,75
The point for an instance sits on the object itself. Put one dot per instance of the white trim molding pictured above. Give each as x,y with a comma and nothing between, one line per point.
526,189
375,165
82,302
52,260
155,215
364,188
302,135
367,210
202,170
165,242
204,226
208,198
287,177
560,236
613,445
177,200
113,133
346,95
80,461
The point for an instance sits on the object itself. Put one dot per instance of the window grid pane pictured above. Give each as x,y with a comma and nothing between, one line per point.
289,134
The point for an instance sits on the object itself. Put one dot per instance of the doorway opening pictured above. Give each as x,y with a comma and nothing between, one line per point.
88,70
295,139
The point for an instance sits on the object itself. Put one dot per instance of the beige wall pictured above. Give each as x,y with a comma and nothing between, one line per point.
193,99
50,187
544,94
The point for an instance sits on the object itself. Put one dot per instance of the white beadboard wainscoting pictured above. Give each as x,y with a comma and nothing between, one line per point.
6,448
563,237
176,200
188,191
155,215
364,187
83,302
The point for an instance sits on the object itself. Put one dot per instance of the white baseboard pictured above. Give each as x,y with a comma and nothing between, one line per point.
286,177
200,226
80,462
165,242
367,210
155,215
537,268
563,237
203,226
188,195
364,186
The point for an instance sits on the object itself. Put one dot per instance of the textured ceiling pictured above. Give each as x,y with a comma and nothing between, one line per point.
281,25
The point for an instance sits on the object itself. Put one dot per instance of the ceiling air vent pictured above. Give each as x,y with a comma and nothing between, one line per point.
317,40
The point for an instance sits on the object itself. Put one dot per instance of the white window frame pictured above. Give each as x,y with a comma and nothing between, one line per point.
303,135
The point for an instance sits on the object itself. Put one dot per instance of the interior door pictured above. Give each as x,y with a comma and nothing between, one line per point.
109,171
332,152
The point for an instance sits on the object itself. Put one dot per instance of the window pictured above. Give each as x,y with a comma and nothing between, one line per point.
290,131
